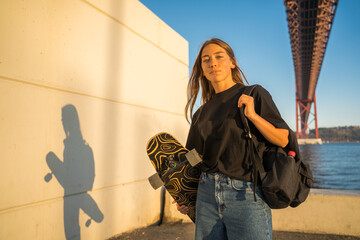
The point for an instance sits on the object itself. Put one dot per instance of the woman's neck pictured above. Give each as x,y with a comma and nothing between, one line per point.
222,86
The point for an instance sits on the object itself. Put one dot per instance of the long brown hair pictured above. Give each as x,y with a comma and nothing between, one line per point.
197,77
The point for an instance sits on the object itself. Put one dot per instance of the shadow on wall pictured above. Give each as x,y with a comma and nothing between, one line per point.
76,174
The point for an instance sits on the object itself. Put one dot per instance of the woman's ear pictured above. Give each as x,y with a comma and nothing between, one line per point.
233,63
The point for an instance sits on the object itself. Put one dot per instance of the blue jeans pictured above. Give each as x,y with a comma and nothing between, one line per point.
225,209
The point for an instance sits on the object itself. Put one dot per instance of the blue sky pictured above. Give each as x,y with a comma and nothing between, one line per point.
258,33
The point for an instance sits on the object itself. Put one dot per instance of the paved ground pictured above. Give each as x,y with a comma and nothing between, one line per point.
185,231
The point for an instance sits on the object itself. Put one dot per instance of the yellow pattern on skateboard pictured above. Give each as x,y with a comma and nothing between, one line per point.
180,179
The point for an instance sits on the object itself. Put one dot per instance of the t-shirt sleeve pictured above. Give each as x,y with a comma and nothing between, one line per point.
194,137
266,108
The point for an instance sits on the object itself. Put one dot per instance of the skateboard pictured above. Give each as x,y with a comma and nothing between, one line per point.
176,168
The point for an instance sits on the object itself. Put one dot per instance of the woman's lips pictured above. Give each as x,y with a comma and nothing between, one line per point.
214,71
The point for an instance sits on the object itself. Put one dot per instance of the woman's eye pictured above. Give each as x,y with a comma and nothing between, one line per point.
206,60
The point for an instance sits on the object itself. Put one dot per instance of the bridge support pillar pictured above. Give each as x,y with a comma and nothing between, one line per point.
303,108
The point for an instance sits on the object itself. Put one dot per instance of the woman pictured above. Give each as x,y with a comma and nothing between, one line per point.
225,207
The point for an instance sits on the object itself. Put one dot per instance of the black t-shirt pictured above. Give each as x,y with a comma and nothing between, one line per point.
217,132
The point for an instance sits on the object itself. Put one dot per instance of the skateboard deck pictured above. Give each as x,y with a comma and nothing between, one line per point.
177,169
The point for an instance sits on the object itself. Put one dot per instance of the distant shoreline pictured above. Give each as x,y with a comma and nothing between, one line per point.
338,134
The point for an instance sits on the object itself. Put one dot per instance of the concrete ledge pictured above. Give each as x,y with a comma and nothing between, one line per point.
304,141
325,211
335,192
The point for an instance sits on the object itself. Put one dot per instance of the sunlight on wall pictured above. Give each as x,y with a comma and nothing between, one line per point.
124,73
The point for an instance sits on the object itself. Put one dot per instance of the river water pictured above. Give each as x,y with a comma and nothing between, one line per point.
334,165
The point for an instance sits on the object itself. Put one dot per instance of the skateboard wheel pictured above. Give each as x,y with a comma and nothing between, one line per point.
193,157
156,181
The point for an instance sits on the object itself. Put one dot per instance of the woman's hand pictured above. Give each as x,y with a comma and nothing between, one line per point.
248,103
183,209
276,136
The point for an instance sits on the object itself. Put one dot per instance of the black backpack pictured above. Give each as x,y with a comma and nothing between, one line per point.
284,180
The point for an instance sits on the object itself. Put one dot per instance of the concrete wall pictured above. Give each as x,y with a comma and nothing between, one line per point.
324,211
107,72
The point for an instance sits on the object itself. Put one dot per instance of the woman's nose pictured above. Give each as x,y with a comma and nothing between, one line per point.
213,62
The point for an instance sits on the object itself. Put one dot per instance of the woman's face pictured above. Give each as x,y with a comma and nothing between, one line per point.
216,64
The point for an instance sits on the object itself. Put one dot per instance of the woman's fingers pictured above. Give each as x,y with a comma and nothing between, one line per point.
182,209
248,103
245,100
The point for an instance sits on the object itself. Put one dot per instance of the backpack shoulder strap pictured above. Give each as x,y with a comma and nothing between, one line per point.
249,89
253,154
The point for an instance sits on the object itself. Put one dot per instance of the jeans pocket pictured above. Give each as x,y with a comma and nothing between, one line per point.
239,185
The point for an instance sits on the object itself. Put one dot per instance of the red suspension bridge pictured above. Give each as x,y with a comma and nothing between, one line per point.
310,23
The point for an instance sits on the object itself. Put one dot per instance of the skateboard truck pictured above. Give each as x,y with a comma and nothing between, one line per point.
171,162
192,157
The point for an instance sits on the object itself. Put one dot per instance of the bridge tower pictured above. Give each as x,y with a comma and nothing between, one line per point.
310,23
